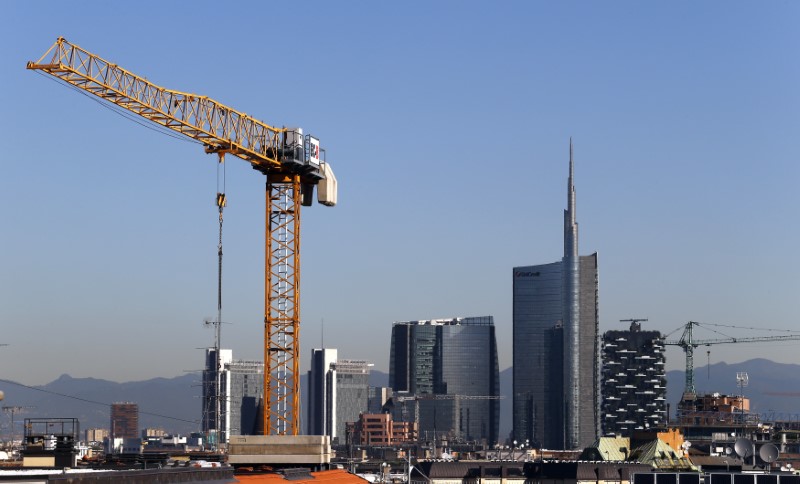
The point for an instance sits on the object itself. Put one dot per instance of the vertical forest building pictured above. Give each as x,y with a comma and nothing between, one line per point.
634,384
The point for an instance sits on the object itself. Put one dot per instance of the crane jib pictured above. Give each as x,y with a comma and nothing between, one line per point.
220,128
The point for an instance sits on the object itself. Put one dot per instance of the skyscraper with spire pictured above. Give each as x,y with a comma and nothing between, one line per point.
556,344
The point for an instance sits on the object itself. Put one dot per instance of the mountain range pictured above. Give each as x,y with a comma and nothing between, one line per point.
174,404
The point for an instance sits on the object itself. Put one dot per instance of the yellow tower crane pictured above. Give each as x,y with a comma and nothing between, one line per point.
292,163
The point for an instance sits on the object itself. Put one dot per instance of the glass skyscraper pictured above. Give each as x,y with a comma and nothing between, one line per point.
319,407
556,345
241,384
445,372
338,393
351,394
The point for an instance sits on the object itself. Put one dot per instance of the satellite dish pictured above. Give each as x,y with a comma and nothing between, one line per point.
728,451
743,447
768,453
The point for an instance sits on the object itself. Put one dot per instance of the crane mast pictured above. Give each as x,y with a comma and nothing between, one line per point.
293,165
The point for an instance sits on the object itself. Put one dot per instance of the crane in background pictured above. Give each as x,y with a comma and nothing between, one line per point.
293,165
688,343
15,410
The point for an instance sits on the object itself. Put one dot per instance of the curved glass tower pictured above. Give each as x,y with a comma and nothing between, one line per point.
556,346
448,370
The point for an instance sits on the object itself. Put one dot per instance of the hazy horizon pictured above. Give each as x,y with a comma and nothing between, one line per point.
447,125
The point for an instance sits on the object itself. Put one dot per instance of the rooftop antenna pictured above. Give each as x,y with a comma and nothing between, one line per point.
635,326
742,380
13,410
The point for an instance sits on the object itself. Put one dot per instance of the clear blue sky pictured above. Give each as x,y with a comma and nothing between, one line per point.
447,124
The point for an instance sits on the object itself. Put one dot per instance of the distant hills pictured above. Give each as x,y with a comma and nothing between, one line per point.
174,404
766,379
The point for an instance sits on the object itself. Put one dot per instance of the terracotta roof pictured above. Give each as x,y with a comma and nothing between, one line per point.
337,476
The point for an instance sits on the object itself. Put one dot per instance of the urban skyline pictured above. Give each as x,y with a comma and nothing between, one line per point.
690,164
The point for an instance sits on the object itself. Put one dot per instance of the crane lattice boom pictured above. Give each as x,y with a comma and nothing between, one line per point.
293,165
688,343
218,126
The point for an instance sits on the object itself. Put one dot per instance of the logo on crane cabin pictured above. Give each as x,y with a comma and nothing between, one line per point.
313,150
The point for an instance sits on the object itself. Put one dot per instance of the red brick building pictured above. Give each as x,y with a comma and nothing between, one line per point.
379,429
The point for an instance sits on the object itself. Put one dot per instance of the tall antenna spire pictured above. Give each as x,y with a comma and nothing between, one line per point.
570,224
571,164
571,317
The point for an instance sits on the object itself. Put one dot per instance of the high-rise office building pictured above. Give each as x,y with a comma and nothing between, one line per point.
124,420
445,373
241,384
633,381
338,393
214,394
378,396
556,347
351,394
319,406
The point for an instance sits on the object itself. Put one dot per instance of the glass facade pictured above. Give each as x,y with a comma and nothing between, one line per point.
556,345
241,383
338,393
537,310
449,374
212,397
352,394
319,407
538,342
244,385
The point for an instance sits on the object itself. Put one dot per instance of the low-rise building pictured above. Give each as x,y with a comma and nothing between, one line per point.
379,429
95,435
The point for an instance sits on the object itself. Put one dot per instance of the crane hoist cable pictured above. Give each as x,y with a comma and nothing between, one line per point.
221,203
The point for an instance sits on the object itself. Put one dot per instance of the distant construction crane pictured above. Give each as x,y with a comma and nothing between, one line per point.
293,165
15,410
688,343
